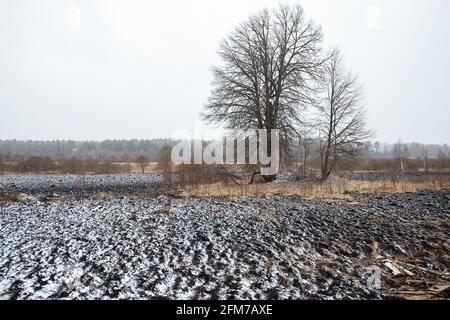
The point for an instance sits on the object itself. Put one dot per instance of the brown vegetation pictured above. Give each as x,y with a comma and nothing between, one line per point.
195,175
333,189
71,165
142,161
165,163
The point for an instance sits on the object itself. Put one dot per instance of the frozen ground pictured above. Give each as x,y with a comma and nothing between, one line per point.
131,247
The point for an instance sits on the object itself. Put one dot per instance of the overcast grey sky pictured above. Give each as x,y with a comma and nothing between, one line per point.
141,69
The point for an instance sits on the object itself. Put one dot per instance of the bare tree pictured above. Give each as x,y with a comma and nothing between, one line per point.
377,146
165,163
306,145
401,153
270,66
142,162
340,118
424,156
441,158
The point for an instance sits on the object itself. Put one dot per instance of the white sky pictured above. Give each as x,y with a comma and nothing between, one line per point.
141,69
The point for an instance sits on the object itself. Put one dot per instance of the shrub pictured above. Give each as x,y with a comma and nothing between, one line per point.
196,174
35,164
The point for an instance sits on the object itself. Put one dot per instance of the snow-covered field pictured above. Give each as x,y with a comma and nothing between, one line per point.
73,185
400,176
133,247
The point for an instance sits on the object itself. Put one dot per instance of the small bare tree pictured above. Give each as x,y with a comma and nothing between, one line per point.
441,159
340,118
377,147
306,145
424,156
401,153
142,161
165,163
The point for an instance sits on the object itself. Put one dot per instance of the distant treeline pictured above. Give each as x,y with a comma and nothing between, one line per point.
111,156
378,156
69,165
112,150
128,150
414,150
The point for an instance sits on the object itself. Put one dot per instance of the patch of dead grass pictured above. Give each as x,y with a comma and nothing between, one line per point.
338,189
100,195
16,197
397,187
262,190
10,198
163,210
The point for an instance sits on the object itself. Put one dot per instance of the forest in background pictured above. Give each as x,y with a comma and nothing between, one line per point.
114,150
128,150
111,156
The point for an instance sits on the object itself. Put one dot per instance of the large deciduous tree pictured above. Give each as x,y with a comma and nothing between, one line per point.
271,64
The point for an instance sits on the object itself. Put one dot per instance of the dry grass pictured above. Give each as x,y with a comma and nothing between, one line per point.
336,189
316,190
10,197
100,195
163,210
392,186
134,167
16,197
